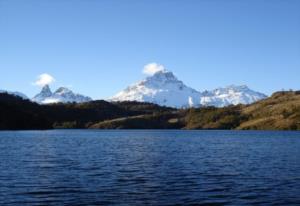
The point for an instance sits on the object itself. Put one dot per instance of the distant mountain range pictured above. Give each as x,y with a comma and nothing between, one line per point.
164,89
63,95
230,95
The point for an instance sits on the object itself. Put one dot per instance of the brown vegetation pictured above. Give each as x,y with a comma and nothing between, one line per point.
281,111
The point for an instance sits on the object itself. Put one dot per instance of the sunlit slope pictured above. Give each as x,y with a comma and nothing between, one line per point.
280,111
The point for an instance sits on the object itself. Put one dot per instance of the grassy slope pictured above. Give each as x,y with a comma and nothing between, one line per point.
281,111
214,118
165,120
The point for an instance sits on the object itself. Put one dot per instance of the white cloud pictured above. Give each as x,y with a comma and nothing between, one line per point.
44,79
152,68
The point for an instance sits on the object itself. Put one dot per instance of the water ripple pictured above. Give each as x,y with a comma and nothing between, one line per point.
78,167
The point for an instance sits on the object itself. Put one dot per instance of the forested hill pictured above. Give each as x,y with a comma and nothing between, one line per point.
17,113
281,111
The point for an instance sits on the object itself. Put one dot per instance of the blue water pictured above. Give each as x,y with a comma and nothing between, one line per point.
93,167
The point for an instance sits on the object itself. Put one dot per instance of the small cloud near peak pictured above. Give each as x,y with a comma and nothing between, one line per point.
153,68
44,79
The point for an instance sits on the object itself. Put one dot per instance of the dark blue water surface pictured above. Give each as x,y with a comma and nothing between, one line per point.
93,167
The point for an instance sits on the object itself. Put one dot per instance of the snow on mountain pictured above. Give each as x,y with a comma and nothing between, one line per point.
232,94
165,89
162,88
63,95
18,94
43,95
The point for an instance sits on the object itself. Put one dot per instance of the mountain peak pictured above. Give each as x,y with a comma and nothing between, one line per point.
163,74
161,88
46,90
237,87
62,94
161,79
232,94
61,90
45,93
165,89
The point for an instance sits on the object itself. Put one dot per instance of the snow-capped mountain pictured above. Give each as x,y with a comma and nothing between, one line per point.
165,89
63,95
43,95
232,94
18,94
162,88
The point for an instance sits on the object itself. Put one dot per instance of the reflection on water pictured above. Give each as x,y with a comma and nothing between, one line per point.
91,167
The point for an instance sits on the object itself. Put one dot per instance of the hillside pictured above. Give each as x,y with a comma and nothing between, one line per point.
17,113
165,120
281,111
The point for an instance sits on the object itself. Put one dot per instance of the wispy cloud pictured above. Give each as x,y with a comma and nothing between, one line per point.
152,68
44,79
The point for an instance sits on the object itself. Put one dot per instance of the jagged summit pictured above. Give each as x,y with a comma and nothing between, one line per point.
231,94
62,94
161,88
164,88
46,89
63,90
43,95
163,75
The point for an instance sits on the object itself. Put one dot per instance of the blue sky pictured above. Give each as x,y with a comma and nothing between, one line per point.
98,47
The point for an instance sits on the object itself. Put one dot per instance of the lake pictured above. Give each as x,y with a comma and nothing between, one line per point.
149,167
